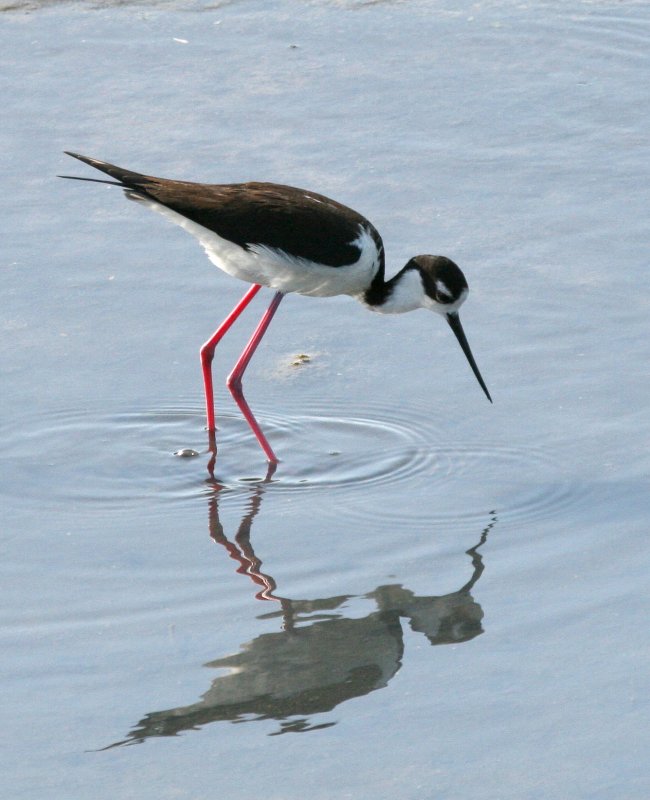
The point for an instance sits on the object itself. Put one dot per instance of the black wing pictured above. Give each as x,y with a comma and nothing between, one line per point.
297,221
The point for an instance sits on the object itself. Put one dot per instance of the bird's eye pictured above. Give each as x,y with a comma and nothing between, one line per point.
443,295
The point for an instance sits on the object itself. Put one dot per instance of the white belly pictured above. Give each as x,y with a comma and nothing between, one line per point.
277,269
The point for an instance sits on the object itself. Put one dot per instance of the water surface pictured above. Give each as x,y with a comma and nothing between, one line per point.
430,596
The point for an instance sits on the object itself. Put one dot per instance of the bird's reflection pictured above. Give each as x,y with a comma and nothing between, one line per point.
317,658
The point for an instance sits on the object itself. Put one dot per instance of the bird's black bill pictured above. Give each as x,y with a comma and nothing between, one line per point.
457,328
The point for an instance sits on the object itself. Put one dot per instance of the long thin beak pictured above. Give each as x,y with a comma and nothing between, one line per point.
457,328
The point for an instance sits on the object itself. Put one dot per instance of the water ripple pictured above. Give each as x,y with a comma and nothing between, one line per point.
521,483
118,461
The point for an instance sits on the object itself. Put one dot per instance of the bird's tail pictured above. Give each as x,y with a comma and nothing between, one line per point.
123,177
91,180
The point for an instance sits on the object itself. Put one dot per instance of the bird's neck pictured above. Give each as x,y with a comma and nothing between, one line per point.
403,292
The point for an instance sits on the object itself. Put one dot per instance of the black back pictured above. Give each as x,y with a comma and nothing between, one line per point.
299,222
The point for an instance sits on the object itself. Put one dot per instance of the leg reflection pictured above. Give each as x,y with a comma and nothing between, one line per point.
241,549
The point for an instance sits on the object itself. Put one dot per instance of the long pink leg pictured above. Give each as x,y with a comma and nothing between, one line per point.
207,351
235,378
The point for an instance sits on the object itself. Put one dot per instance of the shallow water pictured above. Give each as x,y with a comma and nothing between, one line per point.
440,597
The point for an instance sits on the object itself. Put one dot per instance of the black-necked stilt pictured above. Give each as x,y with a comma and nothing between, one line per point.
291,240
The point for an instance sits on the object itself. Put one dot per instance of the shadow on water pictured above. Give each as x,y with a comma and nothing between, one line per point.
319,658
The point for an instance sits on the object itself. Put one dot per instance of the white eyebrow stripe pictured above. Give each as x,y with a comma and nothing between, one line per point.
442,288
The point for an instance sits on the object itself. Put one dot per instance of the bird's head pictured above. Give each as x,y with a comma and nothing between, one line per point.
444,284
445,290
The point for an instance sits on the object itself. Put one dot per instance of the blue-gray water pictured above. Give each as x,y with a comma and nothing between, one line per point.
432,597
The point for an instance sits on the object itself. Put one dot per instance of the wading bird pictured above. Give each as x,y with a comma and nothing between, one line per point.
290,240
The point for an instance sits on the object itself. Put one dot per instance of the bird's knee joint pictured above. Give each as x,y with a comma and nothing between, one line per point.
207,355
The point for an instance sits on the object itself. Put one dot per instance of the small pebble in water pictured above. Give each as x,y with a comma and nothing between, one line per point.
186,452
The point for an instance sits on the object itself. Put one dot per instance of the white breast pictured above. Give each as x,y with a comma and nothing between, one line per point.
277,269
